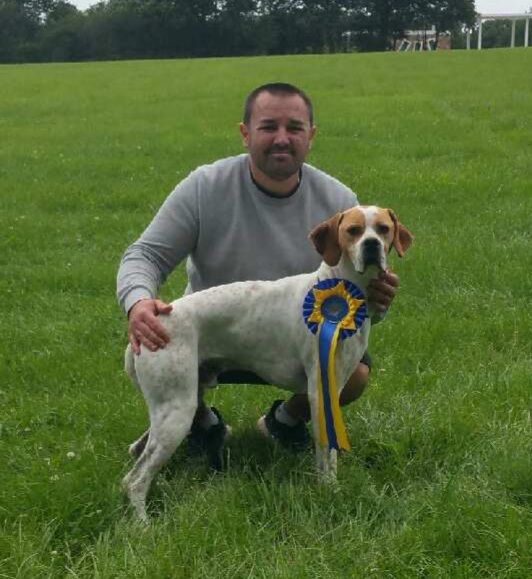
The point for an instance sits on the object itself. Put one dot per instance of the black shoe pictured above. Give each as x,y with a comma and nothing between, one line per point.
293,437
209,441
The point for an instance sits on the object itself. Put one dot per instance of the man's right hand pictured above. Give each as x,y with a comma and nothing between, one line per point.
144,327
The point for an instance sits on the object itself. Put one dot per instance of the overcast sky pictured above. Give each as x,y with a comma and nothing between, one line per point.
482,6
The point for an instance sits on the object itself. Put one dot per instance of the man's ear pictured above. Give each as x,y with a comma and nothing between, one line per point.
244,134
325,239
313,130
402,238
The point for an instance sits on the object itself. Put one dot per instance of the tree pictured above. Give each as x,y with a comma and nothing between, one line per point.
446,15
18,28
21,22
61,10
380,22
235,30
64,36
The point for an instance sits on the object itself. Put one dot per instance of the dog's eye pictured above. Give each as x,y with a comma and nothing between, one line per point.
383,229
354,230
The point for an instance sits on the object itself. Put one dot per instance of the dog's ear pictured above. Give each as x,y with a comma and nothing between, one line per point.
402,238
325,239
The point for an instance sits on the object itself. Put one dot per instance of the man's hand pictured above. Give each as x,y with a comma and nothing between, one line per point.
382,290
144,327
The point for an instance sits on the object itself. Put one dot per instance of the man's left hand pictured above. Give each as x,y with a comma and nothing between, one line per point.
382,290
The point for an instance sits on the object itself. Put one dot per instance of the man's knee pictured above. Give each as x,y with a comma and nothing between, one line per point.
356,384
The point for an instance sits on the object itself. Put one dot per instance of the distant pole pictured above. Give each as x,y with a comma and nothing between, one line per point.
526,31
479,43
512,44
468,39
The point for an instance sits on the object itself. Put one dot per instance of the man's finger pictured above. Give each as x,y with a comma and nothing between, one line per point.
135,344
380,301
381,287
149,319
141,339
159,330
162,308
149,344
150,332
390,278
380,307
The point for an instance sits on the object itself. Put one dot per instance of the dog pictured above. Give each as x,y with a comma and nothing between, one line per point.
255,326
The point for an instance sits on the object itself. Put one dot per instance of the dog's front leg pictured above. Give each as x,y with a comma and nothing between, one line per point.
326,460
327,464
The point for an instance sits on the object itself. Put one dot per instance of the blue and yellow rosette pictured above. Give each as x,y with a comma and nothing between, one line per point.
334,309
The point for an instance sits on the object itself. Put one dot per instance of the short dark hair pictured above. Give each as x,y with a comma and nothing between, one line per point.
276,88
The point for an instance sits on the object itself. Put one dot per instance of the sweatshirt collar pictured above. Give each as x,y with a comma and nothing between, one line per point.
271,194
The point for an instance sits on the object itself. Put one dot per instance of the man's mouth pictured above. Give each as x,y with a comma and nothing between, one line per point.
280,154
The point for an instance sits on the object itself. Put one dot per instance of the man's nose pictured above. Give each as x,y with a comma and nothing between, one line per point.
281,136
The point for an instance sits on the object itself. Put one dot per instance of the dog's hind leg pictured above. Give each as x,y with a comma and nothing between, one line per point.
135,449
171,420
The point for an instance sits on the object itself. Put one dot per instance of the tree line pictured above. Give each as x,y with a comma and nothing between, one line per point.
55,30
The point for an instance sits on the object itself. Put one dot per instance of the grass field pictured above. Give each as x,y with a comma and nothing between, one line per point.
439,480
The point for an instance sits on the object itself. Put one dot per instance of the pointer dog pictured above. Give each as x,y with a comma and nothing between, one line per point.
256,326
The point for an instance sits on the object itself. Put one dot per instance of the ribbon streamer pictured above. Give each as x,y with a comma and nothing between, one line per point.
333,309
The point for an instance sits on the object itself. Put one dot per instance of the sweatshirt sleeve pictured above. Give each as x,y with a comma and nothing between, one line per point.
168,239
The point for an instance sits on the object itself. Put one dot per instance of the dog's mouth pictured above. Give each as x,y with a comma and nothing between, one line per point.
368,265
372,255
373,260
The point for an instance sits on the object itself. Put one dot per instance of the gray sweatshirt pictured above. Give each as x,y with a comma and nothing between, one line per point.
230,230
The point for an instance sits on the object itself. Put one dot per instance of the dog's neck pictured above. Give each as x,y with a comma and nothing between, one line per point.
344,269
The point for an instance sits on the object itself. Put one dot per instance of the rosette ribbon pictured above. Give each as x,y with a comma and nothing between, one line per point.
334,309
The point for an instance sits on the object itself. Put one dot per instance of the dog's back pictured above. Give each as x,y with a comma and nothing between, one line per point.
246,325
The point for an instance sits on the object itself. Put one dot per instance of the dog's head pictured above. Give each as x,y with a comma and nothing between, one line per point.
365,234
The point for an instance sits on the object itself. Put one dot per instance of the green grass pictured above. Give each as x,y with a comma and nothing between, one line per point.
439,480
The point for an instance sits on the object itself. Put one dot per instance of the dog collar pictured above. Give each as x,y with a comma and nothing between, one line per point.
334,309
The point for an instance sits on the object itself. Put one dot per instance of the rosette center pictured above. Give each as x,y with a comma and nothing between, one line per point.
334,308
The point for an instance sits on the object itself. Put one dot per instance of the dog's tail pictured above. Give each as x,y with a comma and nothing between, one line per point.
129,365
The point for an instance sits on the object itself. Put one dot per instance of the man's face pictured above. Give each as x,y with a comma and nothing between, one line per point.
278,135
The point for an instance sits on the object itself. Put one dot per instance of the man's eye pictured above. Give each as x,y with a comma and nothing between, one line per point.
267,128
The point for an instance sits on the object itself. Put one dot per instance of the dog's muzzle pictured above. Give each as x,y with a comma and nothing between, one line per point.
372,253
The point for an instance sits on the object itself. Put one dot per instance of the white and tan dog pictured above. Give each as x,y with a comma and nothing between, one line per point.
255,326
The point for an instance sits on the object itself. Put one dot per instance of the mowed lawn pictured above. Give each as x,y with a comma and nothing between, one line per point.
439,480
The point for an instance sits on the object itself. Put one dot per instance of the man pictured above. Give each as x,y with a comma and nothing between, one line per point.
244,218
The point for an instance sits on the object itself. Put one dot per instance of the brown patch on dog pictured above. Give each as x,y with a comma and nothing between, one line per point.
352,228
402,238
325,239
384,226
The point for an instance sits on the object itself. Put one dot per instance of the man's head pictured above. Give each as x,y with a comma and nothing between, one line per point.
278,89
277,130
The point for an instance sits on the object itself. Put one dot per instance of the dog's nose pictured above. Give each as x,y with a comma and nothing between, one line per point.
371,245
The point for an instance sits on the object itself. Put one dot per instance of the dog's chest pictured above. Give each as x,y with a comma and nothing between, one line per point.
349,352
